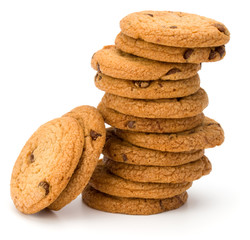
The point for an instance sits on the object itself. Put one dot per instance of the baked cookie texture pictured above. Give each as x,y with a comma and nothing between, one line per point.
132,206
164,53
176,29
106,182
147,89
153,125
117,64
188,172
188,106
46,164
92,123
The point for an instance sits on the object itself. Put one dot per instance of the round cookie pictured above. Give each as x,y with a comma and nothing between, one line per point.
188,172
163,53
154,125
188,106
122,151
106,182
117,64
95,134
46,164
147,89
132,206
209,134
176,29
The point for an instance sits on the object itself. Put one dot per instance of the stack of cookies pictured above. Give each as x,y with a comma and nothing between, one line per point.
154,105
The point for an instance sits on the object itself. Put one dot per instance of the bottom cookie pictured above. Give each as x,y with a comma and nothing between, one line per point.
132,206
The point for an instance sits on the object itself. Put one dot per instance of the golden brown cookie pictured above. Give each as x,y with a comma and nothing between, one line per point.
122,151
147,89
189,106
176,29
188,172
95,133
46,164
117,64
154,125
106,182
163,53
132,206
209,134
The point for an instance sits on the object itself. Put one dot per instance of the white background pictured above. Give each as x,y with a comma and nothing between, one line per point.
45,52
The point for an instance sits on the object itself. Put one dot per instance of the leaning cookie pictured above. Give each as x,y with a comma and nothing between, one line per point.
132,206
208,135
46,164
106,182
92,123
117,64
188,172
176,29
147,89
153,125
188,106
121,151
163,53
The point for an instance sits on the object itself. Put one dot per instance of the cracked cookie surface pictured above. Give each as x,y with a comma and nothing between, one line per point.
46,164
176,29
209,134
147,89
117,64
188,106
132,206
93,126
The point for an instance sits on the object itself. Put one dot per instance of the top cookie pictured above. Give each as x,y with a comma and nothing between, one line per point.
175,29
45,164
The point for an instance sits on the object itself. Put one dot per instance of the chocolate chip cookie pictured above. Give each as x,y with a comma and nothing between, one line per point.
106,182
92,123
176,29
209,134
117,64
133,206
46,164
189,106
121,151
188,172
163,53
154,125
147,89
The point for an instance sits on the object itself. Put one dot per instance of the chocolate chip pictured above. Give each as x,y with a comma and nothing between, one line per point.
151,15
98,67
178,99
142,84
173,70
212,54
160,85
220,50
188,53
220,27
44,185
94,135
32,158
173,27
124,157
130,124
